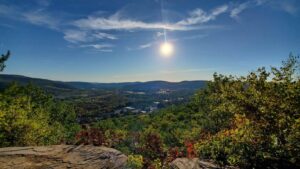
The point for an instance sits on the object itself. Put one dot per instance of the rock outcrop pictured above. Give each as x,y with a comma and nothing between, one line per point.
61,156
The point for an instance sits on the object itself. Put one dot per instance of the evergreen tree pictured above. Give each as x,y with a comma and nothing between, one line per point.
3,58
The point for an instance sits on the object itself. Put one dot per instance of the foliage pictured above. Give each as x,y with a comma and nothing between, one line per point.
29,116
134,162
91,136
264,112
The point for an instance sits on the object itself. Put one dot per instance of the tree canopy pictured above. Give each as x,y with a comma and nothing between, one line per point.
30,116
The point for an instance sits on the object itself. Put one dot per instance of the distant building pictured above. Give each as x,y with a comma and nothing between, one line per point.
129,108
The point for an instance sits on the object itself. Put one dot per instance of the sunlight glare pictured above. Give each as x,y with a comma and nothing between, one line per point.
166,49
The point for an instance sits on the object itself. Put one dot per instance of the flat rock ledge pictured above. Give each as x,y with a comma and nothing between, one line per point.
61,156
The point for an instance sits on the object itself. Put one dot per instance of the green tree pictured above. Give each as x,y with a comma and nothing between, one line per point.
3,59
30,116
263,121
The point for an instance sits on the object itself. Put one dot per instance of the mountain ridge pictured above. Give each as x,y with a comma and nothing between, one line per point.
6,79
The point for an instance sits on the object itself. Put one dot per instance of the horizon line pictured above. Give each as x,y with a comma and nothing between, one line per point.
44,78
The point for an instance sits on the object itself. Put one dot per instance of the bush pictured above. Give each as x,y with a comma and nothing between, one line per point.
134,162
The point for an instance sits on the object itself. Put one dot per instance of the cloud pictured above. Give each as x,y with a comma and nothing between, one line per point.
94,23
142,46
159,34
147,45
78,36
105,50
36,17
75,36
286,6
101,35
240,8
41,18
115,22
99,47
199,16
84,29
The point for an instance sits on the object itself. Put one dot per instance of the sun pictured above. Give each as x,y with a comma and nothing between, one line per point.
166,49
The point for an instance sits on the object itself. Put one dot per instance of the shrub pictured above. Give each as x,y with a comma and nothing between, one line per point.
134,162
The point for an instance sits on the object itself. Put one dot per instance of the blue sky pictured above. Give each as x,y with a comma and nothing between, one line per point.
118,40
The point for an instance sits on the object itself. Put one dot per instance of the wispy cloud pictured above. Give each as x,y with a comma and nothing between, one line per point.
147,45
198,16
39,17
79,36
159,34
84,29
75,36
143,46
286,6
99,47
94,23
36,17
240,8
116,22
101,35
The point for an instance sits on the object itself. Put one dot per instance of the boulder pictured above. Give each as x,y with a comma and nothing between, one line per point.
61,156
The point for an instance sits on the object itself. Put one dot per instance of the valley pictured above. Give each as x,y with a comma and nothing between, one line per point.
98,101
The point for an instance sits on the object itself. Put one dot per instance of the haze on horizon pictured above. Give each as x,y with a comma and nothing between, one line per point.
119,41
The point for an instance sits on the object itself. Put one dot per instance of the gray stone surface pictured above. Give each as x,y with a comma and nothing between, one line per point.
61,156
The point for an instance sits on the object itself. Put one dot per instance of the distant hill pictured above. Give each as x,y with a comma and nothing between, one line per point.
157,85
135,86
44,83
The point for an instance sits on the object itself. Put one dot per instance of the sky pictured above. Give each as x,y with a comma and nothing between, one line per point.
119,40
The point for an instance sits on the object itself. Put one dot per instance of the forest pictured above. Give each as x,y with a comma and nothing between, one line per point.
250,121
